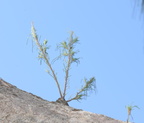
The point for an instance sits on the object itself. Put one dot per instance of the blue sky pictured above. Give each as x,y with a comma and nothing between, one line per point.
111,49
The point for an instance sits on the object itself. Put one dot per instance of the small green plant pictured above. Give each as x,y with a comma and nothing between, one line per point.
129,111
67,53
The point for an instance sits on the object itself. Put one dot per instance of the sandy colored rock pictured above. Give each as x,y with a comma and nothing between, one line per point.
17,106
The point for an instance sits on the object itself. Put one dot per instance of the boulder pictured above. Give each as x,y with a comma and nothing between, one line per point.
18,106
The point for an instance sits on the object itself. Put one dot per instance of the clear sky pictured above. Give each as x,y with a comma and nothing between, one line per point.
111,48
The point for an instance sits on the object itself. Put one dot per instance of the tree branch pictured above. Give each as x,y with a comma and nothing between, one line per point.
44,55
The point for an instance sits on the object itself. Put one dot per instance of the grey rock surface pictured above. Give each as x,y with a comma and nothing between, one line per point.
17,106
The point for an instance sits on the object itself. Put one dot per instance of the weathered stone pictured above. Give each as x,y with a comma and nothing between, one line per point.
17,106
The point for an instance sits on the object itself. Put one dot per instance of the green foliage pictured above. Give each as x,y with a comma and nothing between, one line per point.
68,49
83,92
67,53
129,111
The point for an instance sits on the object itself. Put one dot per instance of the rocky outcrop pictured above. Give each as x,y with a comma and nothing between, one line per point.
17,106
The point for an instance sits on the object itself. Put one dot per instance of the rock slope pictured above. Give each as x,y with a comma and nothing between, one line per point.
17,106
